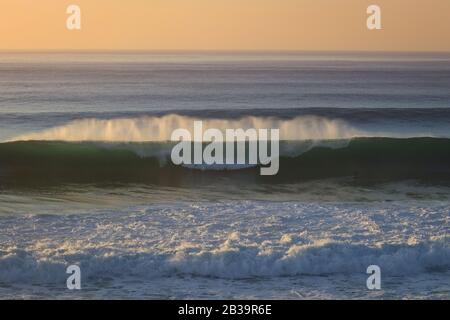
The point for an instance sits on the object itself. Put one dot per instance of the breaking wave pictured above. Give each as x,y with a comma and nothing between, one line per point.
230,262
146,129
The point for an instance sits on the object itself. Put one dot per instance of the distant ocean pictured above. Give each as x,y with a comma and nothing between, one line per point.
86,176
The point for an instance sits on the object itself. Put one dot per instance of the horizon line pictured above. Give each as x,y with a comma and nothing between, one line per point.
262,51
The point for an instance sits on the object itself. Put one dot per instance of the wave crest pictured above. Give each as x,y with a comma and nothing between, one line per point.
145,129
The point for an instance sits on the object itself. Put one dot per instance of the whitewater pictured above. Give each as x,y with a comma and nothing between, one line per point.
230,249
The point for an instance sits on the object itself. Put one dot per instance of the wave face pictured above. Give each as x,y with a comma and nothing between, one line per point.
365,159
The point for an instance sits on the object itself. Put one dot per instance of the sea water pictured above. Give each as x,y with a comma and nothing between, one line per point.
86,177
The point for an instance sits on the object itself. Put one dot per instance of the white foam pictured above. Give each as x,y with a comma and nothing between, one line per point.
231,261
232,240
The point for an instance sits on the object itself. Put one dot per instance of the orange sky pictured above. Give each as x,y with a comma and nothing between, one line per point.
408,25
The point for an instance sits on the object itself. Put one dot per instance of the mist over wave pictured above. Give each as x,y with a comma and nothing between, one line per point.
146,129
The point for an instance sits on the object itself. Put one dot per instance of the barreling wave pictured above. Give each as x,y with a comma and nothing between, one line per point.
366,159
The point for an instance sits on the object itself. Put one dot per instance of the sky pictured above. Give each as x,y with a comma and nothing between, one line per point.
262,25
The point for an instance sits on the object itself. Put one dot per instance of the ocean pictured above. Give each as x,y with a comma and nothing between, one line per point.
86,176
